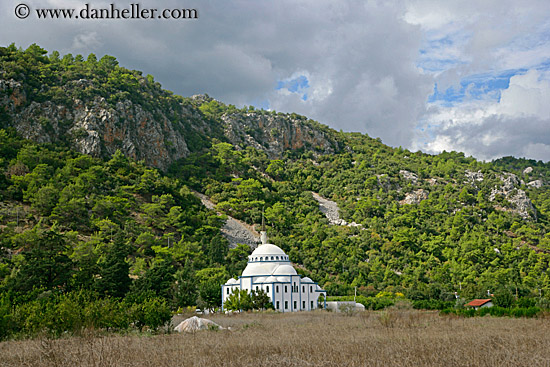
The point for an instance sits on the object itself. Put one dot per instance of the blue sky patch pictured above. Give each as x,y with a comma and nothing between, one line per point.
298,85
476,87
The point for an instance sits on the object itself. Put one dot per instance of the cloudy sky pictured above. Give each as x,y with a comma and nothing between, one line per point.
470,76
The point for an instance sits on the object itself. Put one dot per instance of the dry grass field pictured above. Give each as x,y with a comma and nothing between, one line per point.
388,338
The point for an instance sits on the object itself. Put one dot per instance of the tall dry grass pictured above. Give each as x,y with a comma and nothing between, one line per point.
394,337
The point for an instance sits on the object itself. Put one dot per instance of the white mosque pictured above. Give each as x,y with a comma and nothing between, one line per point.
269,269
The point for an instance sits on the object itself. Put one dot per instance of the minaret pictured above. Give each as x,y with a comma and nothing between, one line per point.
263,233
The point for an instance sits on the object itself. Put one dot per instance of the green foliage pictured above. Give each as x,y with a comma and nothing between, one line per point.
113,271
152,313
239,300
260,300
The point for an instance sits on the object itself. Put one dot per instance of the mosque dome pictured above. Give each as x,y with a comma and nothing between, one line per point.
284,270
268,259
259,269
268,252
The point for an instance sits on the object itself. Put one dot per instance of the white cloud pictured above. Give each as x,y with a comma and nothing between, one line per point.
516,125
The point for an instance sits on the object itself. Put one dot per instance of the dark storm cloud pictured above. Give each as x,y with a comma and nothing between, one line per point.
360,56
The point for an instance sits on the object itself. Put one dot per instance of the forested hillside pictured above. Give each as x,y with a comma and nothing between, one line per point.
84,212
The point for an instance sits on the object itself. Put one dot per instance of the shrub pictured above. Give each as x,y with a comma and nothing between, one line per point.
153,313
432,304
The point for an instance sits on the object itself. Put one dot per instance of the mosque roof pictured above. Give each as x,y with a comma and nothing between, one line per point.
284,270
260,268
267,249
268,259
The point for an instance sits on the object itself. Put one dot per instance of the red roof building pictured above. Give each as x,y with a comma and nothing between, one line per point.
478,303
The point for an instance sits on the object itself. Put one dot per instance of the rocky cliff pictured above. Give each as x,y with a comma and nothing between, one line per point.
151,133
275,133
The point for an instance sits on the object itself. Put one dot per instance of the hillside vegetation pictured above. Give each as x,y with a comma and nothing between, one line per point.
92,209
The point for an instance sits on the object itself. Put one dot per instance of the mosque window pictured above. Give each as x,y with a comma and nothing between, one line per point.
277,289
295,305
304,289
257,288
310,289
271,257
286,305
278,305
312,305
286,289
227,290
267,289
304,305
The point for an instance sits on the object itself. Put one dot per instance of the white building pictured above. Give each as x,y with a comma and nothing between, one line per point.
269,269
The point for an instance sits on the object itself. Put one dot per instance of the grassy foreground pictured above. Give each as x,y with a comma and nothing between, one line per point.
388,338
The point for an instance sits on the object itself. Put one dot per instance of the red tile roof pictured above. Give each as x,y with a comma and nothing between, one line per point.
478,302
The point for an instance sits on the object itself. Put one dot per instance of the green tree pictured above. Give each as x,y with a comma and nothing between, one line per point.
238,300
260,300
113,271
45,262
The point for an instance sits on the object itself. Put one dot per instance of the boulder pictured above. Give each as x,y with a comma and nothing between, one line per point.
195,323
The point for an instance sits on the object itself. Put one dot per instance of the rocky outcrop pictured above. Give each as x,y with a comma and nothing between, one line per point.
157,135
537,184
415,197
275,133
237,232
473,177
519,202
330,209
409,176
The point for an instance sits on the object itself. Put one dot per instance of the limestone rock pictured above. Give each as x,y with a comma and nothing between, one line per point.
537,184
409,176
415,197
330,209
275,133
519,201
472,177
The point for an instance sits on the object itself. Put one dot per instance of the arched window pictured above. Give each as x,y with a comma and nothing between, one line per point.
276,257
277,289
310,289
271,257
267,289
257,288
261,258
